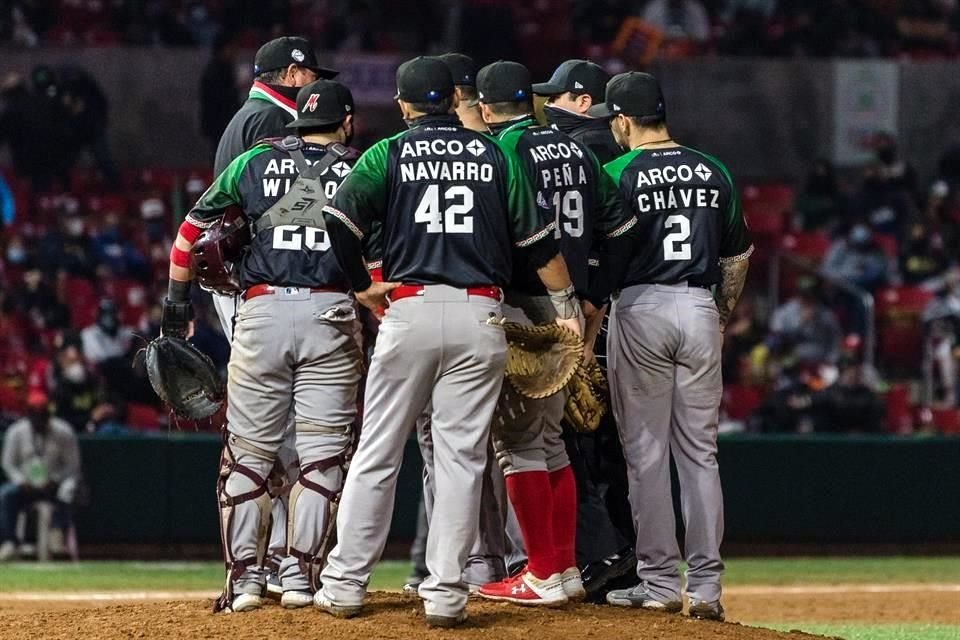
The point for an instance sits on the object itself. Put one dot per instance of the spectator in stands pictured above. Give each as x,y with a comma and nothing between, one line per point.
851,405
36,300
76,394
794,406
34,128
679,19
941,328
820,204
78,96
805,327
106,339
41,460
70,248
858,260
922,255
890,192
116,253
924,25
219,97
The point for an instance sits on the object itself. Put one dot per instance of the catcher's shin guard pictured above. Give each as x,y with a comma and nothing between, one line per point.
312,508
245,506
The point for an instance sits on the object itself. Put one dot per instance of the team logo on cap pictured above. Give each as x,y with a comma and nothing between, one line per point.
297,55
347,108
616,107
476,147
577,85
311,104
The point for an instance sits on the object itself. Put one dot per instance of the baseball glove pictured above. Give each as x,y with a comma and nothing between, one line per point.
184,378
541,358
586,398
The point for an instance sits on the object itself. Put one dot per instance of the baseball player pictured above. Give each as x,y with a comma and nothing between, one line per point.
663,348
587,209
452,204
574,87
280,67
486,562
294,347
605,537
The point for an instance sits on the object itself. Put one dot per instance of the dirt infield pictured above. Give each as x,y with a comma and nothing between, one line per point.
392,615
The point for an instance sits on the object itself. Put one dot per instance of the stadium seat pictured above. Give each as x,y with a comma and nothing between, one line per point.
889,245
899,335
946,420
83,301
812,245
143,417
899,411
740,400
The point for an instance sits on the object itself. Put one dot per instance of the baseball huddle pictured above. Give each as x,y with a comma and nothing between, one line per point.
473,216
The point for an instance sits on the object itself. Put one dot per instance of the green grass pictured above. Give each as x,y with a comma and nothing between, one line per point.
845,570
902,631
190,576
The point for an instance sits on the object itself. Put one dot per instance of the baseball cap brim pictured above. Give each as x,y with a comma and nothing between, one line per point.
548,89
313,122
323,72
600,111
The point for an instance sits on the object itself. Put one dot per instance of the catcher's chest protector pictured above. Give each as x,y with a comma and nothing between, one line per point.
302,205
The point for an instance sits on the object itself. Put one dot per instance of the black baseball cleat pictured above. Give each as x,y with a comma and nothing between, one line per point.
598,576
706,610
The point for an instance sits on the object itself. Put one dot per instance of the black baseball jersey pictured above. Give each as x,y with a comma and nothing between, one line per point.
569,182
286,255
449,203
689,215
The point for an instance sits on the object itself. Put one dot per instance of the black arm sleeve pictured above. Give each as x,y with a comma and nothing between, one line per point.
542,251
614,260
347,247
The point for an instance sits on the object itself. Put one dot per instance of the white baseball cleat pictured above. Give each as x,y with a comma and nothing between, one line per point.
573,584
296,599
246,602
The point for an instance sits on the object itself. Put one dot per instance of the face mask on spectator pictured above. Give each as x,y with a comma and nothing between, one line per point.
75,373
74,227
108,322
16,254
860,235
38,418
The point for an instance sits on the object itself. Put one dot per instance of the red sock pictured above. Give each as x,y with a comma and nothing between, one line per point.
531,496
564,489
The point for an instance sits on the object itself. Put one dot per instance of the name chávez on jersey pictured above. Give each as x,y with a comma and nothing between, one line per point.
675,187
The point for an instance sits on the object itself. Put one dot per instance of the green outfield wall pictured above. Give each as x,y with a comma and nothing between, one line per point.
810,489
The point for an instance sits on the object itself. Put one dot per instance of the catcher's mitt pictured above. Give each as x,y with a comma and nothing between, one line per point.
184,378
541,359
587,398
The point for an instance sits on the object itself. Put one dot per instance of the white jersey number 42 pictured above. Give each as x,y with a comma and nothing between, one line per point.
457,201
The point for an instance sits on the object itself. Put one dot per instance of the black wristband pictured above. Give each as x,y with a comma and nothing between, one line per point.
178,291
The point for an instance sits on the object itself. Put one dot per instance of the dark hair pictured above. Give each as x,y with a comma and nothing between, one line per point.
649,122
433,108
521,108
327,128
468,92
270,77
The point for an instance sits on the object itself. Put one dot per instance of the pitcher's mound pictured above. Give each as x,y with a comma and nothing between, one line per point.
387,615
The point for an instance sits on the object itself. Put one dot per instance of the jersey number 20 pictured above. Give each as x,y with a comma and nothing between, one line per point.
674,245
458,201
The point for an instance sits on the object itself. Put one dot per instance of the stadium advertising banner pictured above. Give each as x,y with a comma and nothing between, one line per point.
865,103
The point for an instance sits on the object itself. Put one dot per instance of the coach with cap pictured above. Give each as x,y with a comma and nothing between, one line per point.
280,68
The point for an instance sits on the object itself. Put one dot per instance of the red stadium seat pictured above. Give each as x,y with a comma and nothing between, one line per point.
899,411
946,420
82,299
812,245
740,400
889,245
899,335
143,417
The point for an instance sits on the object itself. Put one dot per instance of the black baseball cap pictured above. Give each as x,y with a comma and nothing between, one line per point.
424,79
462,68
575,76
634,94
322,103
280,53
504,81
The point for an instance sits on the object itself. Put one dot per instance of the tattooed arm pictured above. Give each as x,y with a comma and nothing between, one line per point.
733,275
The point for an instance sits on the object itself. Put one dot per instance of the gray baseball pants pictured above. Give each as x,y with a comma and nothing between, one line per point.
664,366
292,352
226,307
435,349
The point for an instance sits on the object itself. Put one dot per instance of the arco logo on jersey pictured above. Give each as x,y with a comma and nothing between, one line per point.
671,174
441,147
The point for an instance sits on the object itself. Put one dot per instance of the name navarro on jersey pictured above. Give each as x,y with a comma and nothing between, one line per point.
560,174
469,170
677,194
285,170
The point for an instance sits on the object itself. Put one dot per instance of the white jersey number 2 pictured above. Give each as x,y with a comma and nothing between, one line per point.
458,201
289,236
675,246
